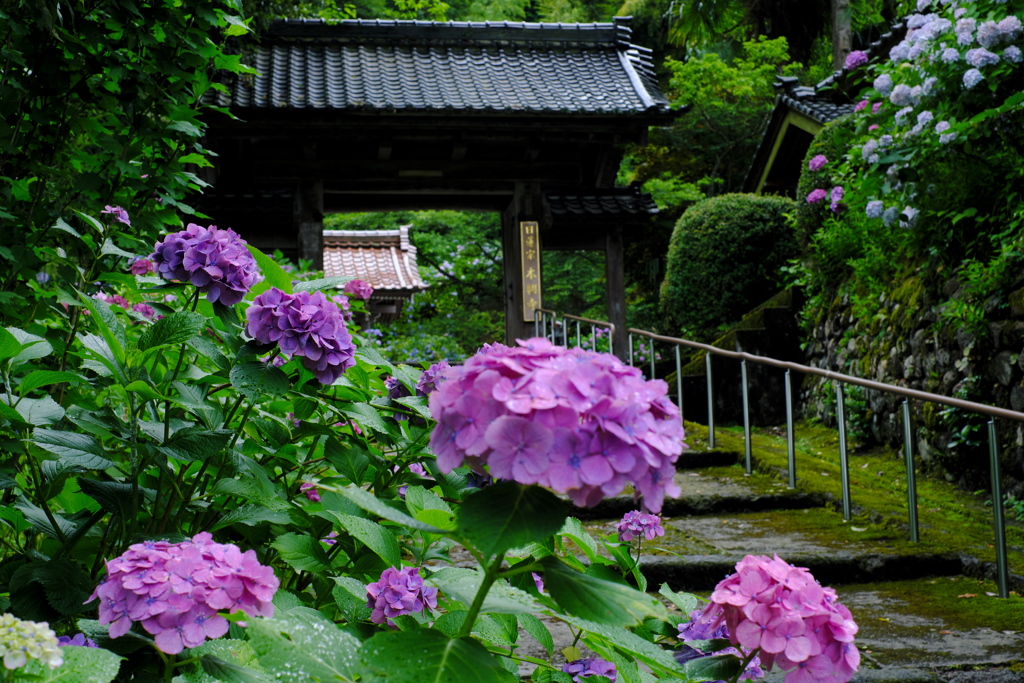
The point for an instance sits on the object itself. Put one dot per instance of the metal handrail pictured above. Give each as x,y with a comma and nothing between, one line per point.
540,326
540,318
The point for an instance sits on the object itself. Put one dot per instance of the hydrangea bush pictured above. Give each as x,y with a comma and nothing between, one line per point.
222,487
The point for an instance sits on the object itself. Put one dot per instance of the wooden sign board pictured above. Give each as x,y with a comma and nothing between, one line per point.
529,244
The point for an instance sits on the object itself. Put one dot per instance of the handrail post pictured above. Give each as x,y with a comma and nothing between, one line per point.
908,449
593,337
631,348
844,464
679,383
536,322
748,465
711,401
611,339
650,350
997,513
790,444
578,342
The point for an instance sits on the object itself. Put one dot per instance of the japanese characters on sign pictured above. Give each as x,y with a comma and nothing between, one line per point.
529,243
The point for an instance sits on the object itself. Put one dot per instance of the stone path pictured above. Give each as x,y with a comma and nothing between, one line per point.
921,619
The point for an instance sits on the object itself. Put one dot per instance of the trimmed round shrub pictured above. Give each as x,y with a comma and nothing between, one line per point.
724,259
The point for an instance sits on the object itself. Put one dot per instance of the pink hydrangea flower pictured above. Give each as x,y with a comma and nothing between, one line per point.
575,421
145,310
399,592
797,624
309,489
635,523
119,214
817,163
360,289
855,59
175,590
861,105
142,266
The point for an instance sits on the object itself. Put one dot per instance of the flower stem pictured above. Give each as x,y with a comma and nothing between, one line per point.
478,601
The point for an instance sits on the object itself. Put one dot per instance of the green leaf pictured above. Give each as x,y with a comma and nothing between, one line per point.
418,404
60,224
508,515
573,529
718,667
198,443
301,648
371,503
65,584
251,515
349,460
9,346
113,496
81,665
372,356
367,416
91,221
372,535
605,602
429,655
112,249
39,411
110,328
30,346
643,650
684,601
42,378
146,391
302,552
462,584
536,628
418,498
101,351
196,158
79,449
253,379
273,274
350,596
186,127
322,283
176,328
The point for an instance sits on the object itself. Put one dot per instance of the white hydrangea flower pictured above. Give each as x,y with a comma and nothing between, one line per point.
24,640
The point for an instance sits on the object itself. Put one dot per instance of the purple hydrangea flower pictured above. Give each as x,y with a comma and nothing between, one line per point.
431,378
989,34
142,266
119,214
309,489
861,105
710,625
399,591
972,77
855,59
360,289
346,308
305,325
145,310
575,421
635,523
874,208
42,277
1010,27
1012,54
78,640
176,590
216,261
837,196
950,55
965,30
585,668
818,162
875,107
816,196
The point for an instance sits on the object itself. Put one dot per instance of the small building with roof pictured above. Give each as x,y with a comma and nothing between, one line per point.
388,115
383,258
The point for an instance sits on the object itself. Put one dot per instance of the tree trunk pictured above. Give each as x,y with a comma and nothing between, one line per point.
842,37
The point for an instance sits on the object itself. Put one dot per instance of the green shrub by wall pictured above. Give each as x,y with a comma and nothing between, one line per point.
724,259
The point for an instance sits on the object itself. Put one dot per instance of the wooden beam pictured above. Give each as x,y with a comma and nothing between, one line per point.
615,277
464,173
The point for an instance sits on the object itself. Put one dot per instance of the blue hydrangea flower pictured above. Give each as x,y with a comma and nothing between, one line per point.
972,78
874,208
883,84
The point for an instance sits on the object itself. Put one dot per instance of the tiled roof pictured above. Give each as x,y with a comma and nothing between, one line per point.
612,203
502,67
820,107
383,258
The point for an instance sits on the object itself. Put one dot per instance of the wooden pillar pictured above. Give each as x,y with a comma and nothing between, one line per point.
526,205
615,277
309,221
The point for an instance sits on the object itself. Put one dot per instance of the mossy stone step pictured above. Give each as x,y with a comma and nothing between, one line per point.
692,459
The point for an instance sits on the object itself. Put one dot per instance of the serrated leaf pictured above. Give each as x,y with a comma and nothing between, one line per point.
65,584
200,443
30,346
228,671
42,378
372,356
536,628
113,496
508,515
39,411
684,601
210,350
79,449
349,460
176,328
367,416
146,391
38,519
601,601
273,274
350,595
429,655
417,404
61,225
322,283
110,329
367,501
295,648
718,667
255,379
573,529
112,249
302,552
418,498
462,584
81,665
372,535
101,351
91,221
251,515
